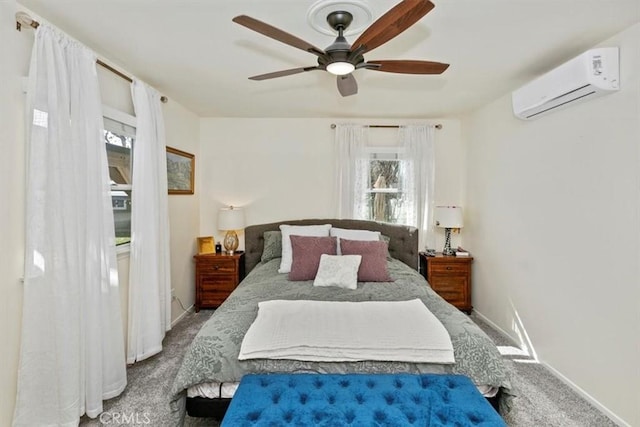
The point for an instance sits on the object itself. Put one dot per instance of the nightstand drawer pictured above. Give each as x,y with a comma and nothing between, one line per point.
448,284
453,297
220,265
449,267
226,282
212,299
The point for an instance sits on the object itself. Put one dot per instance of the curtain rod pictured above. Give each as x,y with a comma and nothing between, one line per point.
438,126
23,18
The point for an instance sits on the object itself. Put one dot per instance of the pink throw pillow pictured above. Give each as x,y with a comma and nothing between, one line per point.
373,267
306,252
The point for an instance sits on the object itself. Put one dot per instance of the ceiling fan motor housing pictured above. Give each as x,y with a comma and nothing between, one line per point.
340,49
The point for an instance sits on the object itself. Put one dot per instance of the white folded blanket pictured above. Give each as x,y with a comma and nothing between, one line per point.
336,331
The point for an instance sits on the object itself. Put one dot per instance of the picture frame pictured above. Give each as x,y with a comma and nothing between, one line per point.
206,245
180,171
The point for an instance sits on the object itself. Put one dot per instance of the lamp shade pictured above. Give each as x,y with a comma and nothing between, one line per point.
449,216
231,219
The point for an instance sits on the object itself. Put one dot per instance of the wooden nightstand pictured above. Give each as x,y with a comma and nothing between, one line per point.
217,275
450,277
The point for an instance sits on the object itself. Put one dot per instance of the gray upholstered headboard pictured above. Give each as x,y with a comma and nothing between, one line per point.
403,244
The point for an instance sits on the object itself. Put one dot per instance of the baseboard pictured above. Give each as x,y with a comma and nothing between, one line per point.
184,313
586,396
497,328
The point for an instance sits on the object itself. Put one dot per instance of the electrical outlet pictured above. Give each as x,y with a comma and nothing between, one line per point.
173,293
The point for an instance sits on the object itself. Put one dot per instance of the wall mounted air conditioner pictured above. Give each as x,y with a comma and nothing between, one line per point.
589,75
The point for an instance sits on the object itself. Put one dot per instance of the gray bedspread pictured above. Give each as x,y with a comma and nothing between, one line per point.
213,354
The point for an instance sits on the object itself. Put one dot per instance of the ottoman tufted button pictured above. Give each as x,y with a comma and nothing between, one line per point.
424,382
474,418
389,398
379,416
349,416
411,417
253,416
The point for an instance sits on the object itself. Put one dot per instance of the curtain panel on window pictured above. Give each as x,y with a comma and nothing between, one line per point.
149,270
351,170
419,178
72,347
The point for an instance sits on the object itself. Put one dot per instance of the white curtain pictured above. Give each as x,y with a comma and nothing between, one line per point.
419,178
351,170
149,272
72,350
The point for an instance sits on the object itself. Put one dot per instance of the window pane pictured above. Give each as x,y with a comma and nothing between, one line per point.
119,157
119,139
385,198
386,207
121,201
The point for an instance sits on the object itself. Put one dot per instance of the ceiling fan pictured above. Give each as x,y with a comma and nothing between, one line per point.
341,58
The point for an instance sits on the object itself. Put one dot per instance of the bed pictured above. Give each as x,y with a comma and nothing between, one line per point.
210,371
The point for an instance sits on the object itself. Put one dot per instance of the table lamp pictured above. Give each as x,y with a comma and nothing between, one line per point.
231,219
448,217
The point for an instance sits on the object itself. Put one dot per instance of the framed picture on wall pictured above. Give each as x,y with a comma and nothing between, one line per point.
180,171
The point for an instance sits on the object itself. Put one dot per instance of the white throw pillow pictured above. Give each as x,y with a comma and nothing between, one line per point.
340,271
297,230
343,233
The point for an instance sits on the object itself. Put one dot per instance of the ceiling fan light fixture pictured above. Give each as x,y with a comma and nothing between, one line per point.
340,68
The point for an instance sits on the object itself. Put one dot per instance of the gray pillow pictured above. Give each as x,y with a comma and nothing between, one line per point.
272,245
386,239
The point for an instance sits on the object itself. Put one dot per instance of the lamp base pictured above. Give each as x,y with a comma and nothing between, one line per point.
447,243
231,242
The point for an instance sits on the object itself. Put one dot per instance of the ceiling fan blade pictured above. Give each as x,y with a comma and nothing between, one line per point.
276,34
395,21
347,85
283,73
407,66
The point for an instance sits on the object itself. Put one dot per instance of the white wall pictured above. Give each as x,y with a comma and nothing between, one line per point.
280,169
182,129
553,215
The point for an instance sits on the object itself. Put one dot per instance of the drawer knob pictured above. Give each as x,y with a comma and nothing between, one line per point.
448,268
215,267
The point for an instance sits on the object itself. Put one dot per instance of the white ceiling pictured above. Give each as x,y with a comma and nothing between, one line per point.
191,51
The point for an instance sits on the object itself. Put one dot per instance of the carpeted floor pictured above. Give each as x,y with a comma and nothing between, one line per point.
542,400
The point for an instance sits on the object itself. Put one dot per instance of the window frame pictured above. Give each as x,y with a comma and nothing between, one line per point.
371,152
129,120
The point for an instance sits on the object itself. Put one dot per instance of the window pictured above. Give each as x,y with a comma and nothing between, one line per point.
386,198
386,176
119,136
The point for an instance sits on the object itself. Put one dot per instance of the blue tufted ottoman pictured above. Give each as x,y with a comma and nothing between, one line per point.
332,400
